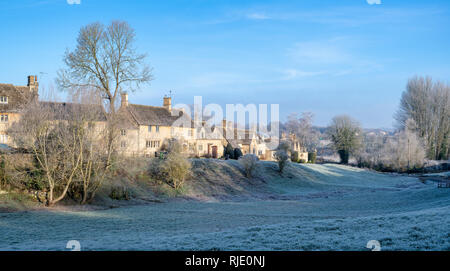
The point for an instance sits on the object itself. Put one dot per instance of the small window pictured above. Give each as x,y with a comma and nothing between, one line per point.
4,118
157,128
150,129
4,139
3,100
200,147
152,144
123,132
123,144
190,133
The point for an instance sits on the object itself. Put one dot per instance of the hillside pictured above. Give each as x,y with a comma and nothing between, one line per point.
310,207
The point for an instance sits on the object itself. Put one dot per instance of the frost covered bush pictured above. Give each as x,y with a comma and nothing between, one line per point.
282,158
312,156
249,162
282,155
294,157
401,152
229,152
120,193
175,168
237,153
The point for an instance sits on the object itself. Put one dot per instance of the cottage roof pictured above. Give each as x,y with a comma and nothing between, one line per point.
68,111
153,115
18,97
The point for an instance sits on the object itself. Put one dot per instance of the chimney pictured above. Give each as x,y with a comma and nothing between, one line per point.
167,103
224,128
33,83
124,99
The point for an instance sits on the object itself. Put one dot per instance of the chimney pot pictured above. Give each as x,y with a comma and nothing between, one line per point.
167,103
33,83
124,99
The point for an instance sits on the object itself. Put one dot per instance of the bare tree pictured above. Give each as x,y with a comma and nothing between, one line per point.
65,145
302,128
53,145
105,59
428,104
345,134
95,164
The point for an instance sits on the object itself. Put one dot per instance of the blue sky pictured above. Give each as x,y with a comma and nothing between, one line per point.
327,57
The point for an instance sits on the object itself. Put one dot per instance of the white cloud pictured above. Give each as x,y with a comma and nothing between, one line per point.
318,52
294,73
374,2
257,16
213,79
74,2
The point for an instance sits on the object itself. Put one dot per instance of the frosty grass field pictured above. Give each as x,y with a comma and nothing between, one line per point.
328,207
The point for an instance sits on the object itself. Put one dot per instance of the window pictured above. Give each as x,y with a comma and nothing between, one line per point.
259,152
3,100
123,132
200,147
4,118
152,144
150,129
123,144
3,139
157,128
190,133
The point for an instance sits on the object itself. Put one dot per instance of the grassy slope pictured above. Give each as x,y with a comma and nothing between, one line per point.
309,207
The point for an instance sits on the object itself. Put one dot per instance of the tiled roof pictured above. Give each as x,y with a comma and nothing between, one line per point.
67,111
153,115
18,97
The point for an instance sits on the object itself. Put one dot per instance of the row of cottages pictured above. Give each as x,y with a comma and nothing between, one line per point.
13,99
146,130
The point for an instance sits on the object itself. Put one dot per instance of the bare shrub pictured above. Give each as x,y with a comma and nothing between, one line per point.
403,151
282,158
250,163
175,168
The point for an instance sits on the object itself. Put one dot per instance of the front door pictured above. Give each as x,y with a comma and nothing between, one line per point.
214,151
